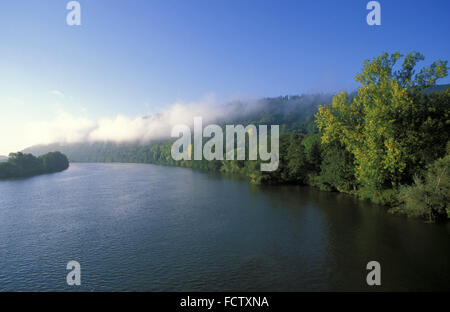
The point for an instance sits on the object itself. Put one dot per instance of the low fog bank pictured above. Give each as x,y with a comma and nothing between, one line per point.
67,132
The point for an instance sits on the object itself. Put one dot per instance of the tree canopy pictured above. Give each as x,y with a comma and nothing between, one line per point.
20,165
390,124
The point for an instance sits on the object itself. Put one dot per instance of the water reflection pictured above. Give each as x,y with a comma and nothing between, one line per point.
144,227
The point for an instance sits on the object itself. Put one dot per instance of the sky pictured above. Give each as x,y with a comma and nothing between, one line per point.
134,58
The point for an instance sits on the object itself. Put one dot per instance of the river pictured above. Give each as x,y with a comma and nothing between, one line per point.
137,227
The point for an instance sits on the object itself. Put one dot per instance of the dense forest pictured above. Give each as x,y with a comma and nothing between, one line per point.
21,165
387,142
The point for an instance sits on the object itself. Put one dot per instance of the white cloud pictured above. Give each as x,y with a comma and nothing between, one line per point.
57,93
65,128
69,128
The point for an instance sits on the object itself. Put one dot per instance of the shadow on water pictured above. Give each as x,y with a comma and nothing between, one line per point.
413,255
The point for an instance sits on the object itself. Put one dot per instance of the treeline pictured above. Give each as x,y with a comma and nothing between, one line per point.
387,142
393,135
21,165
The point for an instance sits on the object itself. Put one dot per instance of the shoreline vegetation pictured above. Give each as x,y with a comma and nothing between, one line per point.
389,142
20,165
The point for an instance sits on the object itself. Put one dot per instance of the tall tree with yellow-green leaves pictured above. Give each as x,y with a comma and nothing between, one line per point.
389,123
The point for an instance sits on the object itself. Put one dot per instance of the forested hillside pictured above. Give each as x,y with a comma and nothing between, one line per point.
387,142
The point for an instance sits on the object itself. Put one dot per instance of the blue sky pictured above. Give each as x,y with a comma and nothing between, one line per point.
138,57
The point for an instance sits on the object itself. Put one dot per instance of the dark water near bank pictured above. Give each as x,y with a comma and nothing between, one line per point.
144,227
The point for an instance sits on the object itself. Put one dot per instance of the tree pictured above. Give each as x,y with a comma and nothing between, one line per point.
313,151
337,169
296,159
22,165
429,196
54,162
375,125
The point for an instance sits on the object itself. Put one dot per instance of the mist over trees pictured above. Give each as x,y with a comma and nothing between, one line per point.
388,142
20,165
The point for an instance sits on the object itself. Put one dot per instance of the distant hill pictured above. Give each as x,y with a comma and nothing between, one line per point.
3,158
290,112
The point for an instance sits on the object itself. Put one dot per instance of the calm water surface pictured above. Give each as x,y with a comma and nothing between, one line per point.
150,228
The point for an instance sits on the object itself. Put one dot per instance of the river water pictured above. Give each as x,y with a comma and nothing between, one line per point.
136,227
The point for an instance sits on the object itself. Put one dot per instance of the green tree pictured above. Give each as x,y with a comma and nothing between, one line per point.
337,171
54,162
429,196
296,159
373,126
22,165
